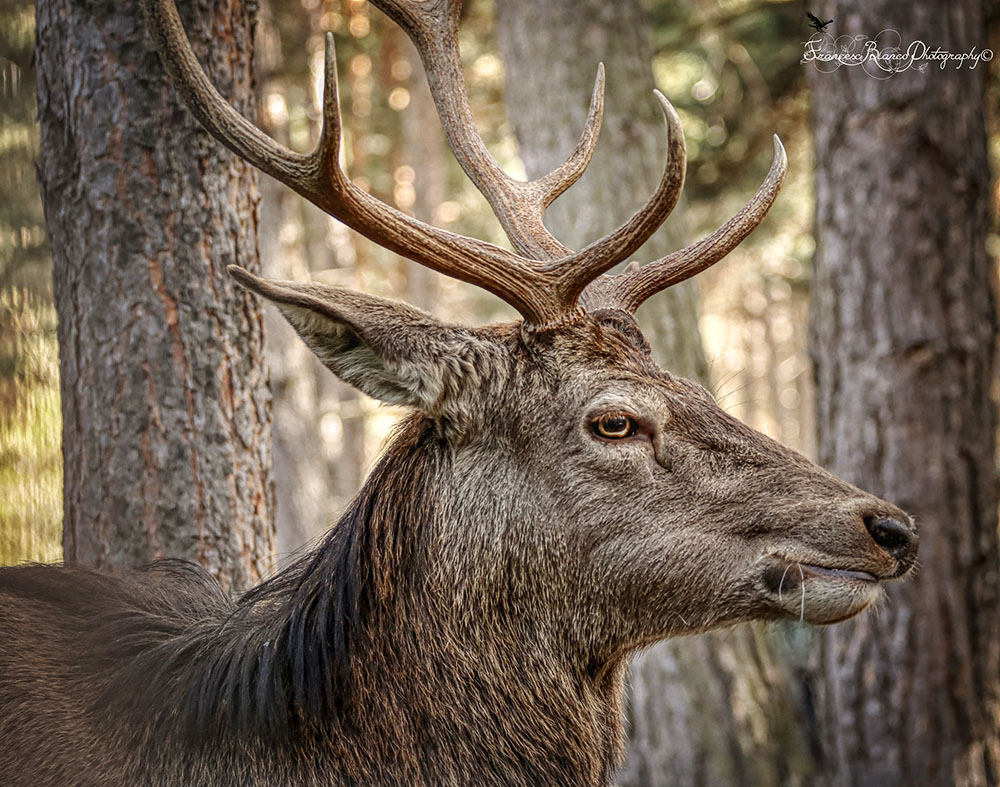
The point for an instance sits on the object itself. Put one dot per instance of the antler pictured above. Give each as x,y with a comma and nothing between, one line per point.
545,280
519,206
630,289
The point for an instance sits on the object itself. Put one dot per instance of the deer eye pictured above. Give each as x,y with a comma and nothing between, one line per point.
615,426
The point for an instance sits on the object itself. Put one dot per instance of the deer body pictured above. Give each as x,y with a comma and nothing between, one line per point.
554,502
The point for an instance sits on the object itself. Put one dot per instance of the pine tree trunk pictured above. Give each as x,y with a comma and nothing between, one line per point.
904,336
715,709
166,411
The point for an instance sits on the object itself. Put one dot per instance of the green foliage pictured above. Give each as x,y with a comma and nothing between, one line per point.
733,72
24,258
30,461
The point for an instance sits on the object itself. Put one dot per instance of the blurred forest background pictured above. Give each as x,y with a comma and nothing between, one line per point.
733,72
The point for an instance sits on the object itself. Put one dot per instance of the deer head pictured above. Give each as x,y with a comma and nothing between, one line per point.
580,490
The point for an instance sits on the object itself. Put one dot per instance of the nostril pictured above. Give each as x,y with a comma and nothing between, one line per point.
890,534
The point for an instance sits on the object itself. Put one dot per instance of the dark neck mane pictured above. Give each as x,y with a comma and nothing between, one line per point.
278,662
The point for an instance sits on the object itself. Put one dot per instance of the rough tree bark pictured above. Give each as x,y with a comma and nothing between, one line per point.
904,336
717,709
166,412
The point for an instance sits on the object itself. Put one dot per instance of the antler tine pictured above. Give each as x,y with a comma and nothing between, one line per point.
319,178
327,152
552,185
211,109
574,273
518,205
630,289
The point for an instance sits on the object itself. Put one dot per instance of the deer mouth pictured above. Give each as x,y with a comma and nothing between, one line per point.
815,593
784,573
839,573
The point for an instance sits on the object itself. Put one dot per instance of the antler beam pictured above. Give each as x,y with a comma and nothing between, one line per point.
519,206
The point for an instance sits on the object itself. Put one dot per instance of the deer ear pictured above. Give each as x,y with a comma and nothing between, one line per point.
390,351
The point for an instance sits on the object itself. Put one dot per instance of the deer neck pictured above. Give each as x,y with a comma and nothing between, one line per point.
483,703
461,680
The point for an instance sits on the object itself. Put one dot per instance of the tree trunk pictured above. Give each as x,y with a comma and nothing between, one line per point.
904,336
716,709
166,411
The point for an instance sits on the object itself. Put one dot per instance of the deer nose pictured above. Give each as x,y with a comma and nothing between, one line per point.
895,537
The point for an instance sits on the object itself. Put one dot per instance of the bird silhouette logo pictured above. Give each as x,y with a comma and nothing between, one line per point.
818,24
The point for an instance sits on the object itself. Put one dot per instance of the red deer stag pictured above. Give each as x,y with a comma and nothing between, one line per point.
553,502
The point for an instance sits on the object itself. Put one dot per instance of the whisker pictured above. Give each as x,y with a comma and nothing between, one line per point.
722,397
782,582
728,379
802,582
729,407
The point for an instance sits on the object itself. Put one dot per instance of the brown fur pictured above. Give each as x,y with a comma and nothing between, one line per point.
469,619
